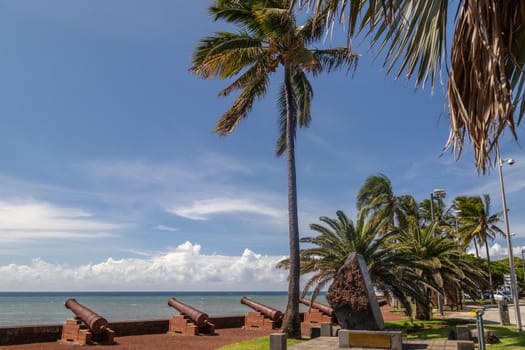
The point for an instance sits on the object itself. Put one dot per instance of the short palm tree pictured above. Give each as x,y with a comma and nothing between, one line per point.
390,269
486,85
479,223
437,261
270,41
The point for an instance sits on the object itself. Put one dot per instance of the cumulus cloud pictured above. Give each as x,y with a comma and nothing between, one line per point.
24,220
183,268
202,209
497,251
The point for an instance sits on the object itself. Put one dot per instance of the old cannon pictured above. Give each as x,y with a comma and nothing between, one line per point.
325,309
96,323
316,314
264,316
190,321
87,327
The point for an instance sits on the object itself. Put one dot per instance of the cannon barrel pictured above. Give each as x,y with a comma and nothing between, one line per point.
96,323
273,314
325,309
200,318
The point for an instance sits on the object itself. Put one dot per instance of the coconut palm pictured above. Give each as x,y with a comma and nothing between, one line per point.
377,197
390,269
269,41
479,223
486,85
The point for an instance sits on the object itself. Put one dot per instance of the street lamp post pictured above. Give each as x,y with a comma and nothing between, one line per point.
523,264
438,194
514,289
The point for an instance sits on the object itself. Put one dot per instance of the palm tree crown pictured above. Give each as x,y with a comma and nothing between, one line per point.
486,85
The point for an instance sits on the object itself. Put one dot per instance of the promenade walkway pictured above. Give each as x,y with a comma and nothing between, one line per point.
332,343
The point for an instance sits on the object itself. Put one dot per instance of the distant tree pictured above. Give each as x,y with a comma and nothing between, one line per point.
478,223
269,41
377,197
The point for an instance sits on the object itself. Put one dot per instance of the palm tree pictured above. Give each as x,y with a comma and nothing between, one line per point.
376,196
270,41
390,269
437,262
486,85
478,222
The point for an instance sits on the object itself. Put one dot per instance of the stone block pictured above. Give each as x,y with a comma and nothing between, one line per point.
326,329
462,332
465,345
278,341
372,339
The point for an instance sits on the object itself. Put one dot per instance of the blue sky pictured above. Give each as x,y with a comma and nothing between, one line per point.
111,177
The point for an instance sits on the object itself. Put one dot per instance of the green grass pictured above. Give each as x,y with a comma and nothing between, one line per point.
262,343
438,329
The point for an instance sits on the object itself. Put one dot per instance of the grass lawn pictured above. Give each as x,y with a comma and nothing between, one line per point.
262,343
436,329
510,338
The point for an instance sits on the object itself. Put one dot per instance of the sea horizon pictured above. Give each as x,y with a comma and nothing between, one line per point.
47,307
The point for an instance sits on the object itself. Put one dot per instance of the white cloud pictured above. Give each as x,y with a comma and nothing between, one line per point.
498,252
24,220
202,209
182,268
165,228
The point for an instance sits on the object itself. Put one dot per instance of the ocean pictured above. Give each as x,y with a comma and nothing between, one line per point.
47,308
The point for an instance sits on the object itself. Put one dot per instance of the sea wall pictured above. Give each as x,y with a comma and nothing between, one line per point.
51,333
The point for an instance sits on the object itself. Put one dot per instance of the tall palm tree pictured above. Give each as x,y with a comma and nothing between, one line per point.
486,85
478,222
270,41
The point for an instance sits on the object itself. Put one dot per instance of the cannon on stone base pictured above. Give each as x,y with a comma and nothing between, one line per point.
190,321
264,317
87,327
316,314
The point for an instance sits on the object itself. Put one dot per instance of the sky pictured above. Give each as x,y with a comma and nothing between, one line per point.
112,179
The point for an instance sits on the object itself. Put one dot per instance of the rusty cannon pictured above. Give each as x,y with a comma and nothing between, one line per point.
88,327
325,309
265,317
190,321
316,314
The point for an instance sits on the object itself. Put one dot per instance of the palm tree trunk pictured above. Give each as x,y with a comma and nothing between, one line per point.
291,322
476,248
490,272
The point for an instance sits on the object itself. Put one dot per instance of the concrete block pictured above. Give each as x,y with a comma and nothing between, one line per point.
326,329
278,341
465,345
462,332
344,338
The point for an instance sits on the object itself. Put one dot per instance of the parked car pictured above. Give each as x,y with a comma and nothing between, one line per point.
499,296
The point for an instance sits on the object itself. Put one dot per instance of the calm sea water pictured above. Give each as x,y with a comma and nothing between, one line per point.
46,308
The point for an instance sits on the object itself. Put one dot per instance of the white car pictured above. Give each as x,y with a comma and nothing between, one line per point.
500,296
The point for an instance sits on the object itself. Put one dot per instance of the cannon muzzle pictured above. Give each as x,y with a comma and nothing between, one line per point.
270,312
96,323
200,318
325,309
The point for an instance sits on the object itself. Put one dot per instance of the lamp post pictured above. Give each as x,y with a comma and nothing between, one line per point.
523,263
514,289
438,194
